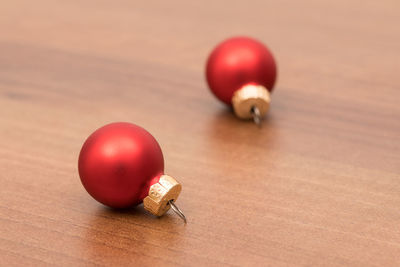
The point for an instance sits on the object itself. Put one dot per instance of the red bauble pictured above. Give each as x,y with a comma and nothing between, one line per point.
118,163
237,62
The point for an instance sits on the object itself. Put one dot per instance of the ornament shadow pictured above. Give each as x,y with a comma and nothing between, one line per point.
121,234
235,143
225,127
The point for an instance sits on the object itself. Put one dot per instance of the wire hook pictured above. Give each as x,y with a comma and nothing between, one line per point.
177,210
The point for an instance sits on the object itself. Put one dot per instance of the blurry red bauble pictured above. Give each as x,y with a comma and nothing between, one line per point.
121,165
239,63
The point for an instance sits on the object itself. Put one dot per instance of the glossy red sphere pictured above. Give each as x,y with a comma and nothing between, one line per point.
236,62
118,163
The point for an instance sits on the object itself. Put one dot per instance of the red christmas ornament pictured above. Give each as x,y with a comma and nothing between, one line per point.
241,72
121,165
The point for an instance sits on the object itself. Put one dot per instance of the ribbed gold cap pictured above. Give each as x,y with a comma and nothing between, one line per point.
157,202
250,96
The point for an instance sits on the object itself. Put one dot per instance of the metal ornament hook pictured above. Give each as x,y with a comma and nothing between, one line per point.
177,210
255,112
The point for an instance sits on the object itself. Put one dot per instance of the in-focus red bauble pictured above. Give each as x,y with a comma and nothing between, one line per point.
237,62
118,164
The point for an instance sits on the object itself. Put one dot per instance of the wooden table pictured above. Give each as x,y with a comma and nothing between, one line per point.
318,185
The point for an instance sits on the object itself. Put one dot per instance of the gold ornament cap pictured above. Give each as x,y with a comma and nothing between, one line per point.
162,195
249,97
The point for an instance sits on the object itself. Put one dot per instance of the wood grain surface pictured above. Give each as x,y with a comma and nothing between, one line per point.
318,185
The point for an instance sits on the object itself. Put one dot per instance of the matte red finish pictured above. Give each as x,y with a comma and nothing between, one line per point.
118,163
236,62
